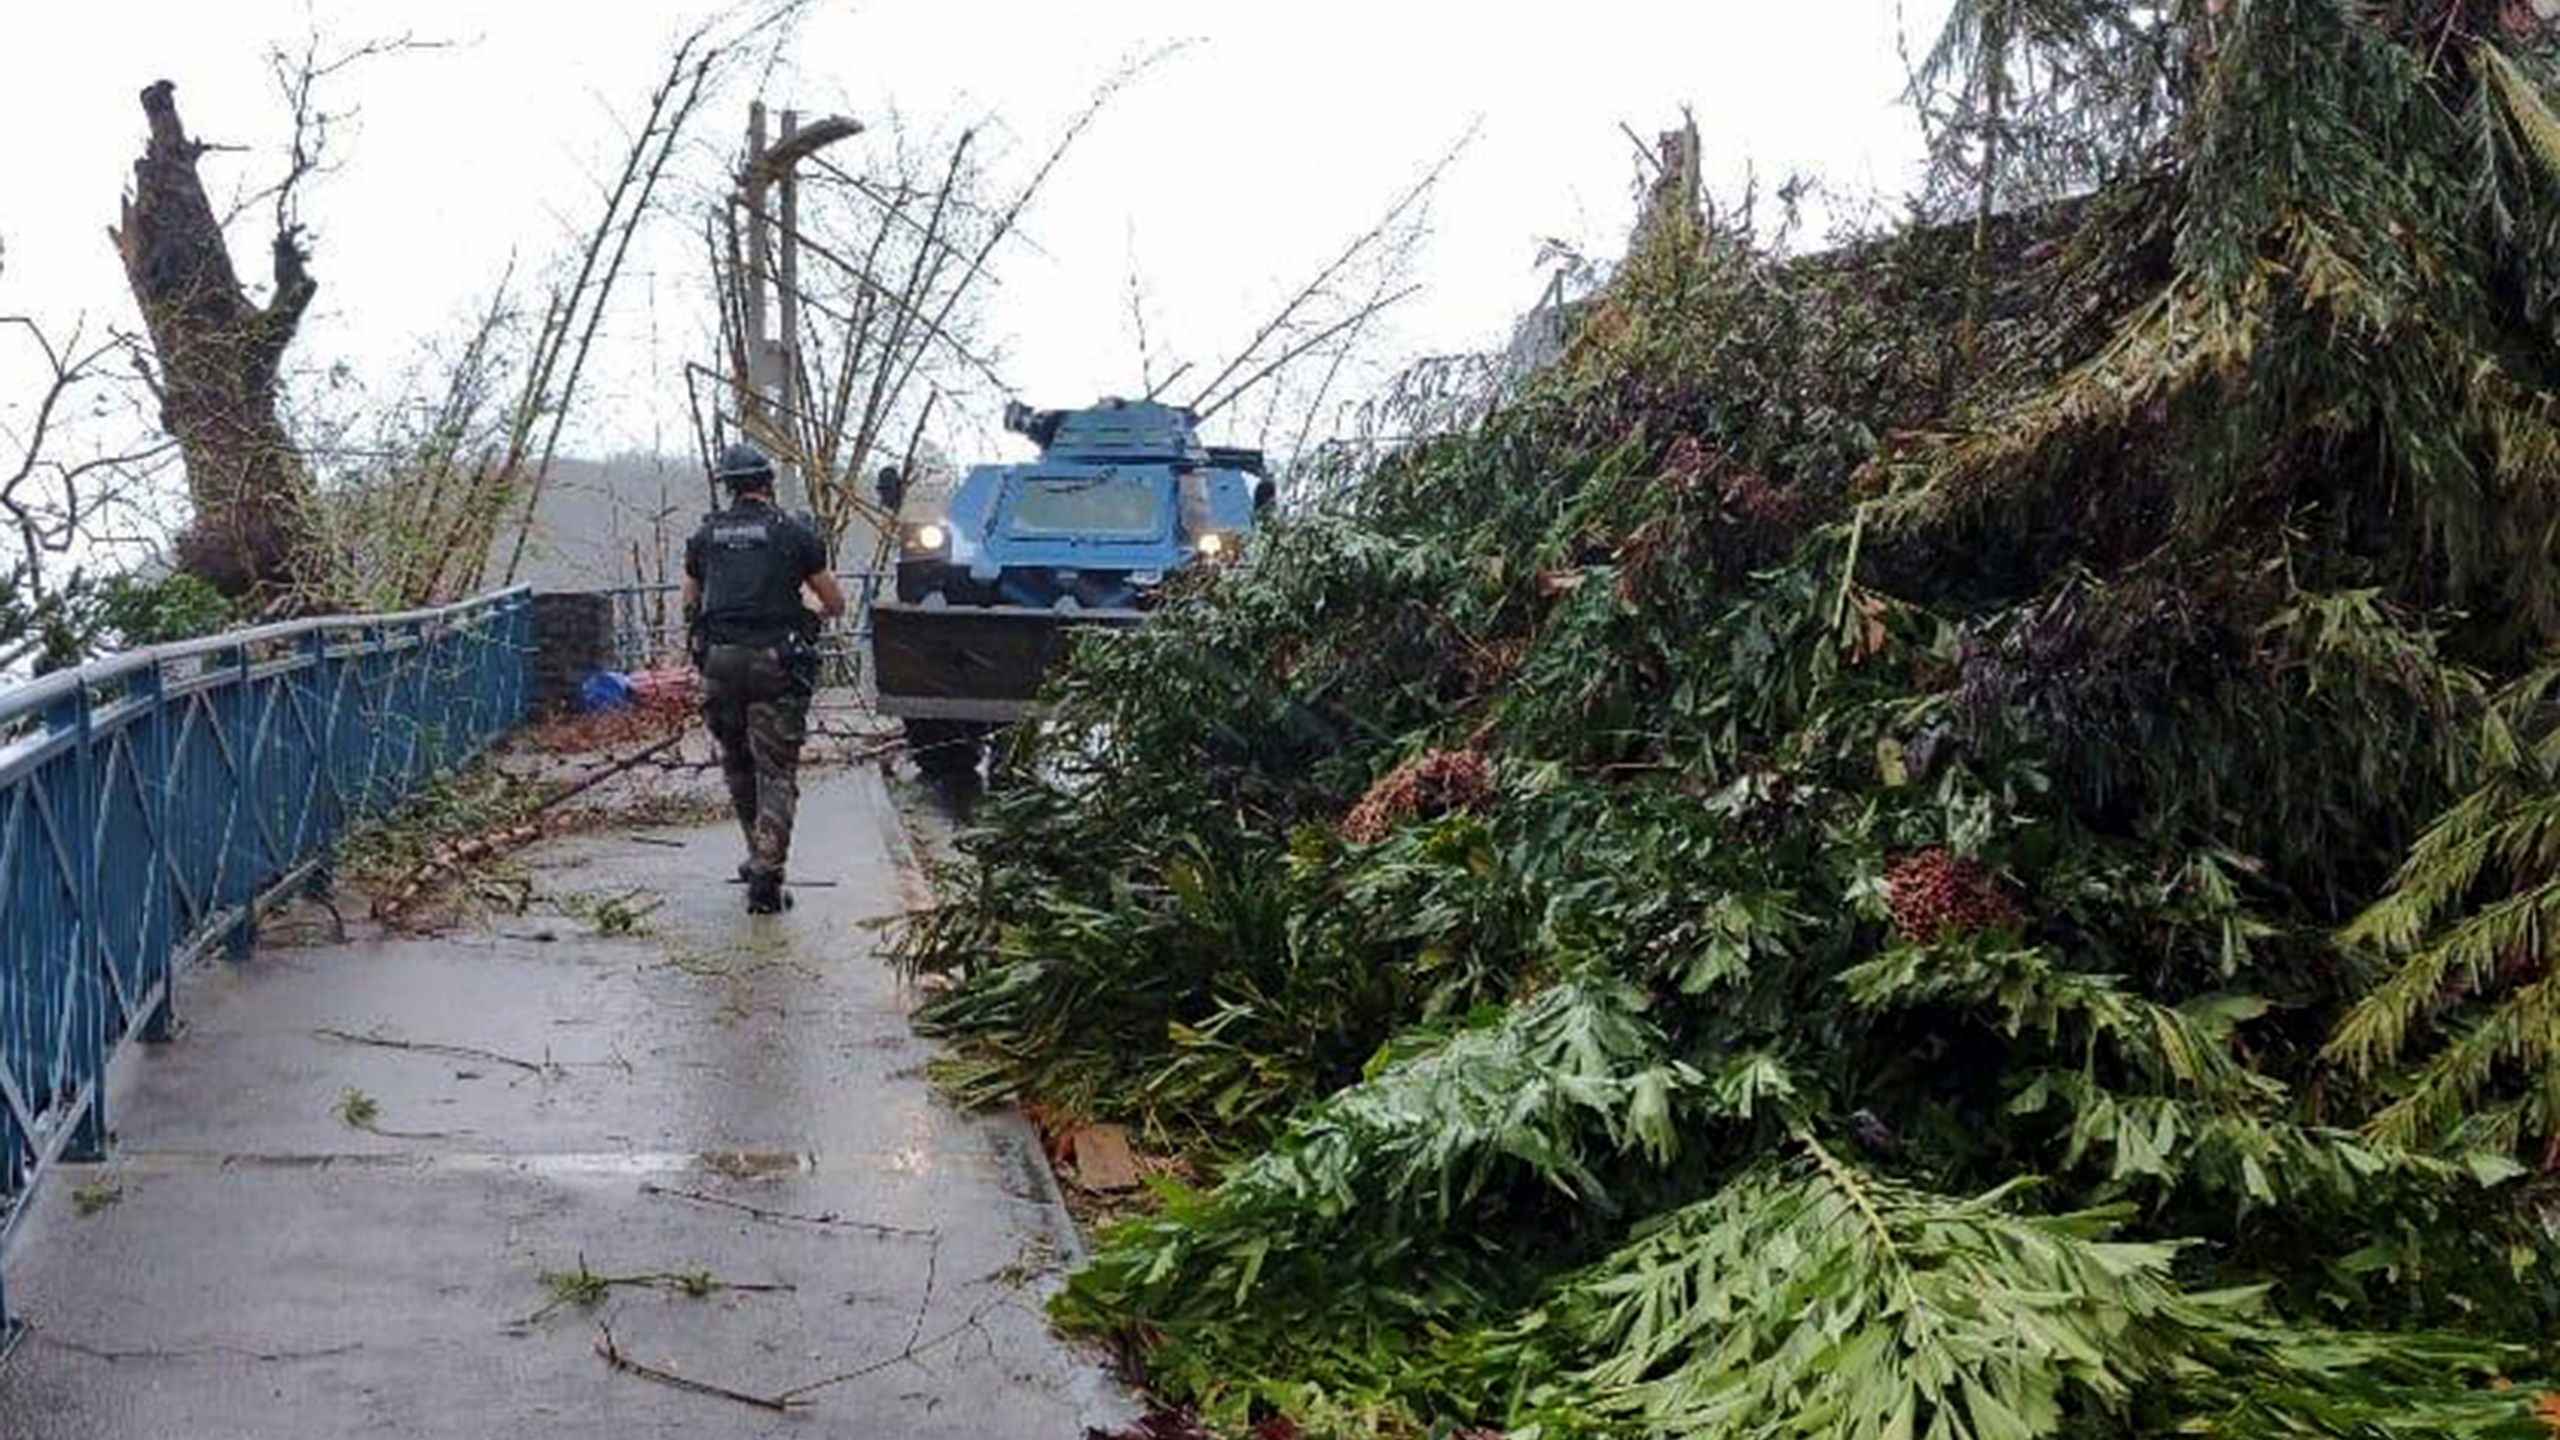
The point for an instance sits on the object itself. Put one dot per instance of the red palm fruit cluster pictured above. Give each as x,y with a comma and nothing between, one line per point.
1488,667
1935,895
1432,784
1688,464
1747,495
1753,499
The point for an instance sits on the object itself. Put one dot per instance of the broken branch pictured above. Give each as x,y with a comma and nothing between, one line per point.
829,1219
1315,287
545,1069
797,1394
613,1356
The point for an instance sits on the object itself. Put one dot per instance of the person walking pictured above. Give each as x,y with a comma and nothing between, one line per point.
750,573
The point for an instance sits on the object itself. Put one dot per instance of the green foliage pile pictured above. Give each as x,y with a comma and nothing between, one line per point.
2017,894
447,812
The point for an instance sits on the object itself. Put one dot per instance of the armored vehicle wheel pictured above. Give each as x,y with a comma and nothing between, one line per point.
943,748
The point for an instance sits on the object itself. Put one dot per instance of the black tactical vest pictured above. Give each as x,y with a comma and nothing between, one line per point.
750,560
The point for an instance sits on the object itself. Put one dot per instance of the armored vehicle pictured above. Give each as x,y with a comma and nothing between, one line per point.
987,595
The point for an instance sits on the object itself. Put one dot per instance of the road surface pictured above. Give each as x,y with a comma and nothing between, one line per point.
715,1099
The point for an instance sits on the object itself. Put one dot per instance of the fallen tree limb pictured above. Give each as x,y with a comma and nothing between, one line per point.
453,859
607,771
448,862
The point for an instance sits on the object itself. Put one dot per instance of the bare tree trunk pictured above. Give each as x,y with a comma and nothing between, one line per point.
1994,60
219,357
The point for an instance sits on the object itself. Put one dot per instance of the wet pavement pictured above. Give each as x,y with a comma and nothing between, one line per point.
714,1099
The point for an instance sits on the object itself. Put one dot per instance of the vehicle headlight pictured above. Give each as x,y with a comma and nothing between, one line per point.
931,537
1214,547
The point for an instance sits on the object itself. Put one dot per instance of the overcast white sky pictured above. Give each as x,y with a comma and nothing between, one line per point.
1228,174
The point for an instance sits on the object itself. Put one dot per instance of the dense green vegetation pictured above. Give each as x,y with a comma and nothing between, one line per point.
88,614
1955,839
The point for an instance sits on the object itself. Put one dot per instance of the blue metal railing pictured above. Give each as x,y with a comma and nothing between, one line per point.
152,804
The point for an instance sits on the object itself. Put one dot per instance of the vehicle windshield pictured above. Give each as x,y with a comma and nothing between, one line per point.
1085,506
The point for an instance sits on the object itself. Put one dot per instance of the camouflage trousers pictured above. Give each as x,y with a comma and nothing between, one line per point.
759,712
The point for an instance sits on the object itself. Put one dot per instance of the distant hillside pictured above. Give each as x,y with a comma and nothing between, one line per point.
604,524
600,524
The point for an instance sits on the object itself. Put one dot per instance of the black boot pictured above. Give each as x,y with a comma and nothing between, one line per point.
765,895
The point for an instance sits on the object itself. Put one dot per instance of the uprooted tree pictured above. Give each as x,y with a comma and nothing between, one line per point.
1953,838
220,359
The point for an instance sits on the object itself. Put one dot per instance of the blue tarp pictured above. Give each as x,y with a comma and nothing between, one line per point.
606,691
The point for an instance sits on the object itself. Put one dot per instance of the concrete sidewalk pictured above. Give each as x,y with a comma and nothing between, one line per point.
719,1094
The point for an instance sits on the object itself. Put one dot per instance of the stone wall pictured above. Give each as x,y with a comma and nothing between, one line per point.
572,639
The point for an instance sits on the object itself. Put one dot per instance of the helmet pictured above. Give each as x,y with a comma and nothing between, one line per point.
743,467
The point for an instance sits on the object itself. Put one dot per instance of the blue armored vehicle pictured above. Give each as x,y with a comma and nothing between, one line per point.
1122,497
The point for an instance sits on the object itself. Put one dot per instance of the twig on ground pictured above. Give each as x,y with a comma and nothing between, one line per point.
547,1069
584,1287
613,1356
337,917
972,1321
829,1219
362,1112
924,1304
224,1353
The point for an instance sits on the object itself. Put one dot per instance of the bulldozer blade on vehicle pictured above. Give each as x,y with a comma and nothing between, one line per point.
981,663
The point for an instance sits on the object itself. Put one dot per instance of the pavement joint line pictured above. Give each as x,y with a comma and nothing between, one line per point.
740,1166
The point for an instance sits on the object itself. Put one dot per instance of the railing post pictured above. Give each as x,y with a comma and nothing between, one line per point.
12,1329
372,670
242,851
476,638
316,733
418,660
153,789
83,1062
519,657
